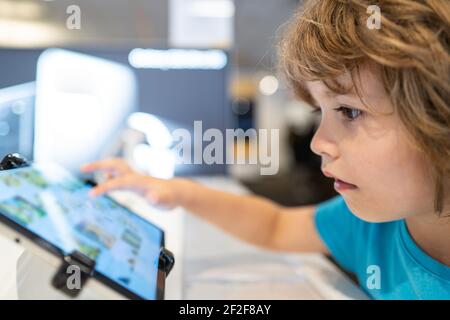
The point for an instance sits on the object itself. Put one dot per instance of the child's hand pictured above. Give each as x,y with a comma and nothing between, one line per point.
166,193
112,168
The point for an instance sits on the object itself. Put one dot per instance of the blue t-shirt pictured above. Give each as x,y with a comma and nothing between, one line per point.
384,257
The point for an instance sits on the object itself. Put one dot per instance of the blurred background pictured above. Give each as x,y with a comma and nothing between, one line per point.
87,79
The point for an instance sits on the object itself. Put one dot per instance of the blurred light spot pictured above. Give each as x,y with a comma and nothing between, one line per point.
26,34
156,132
20,9
268,85
177,59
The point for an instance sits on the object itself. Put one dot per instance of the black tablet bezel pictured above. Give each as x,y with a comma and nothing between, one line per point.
43,243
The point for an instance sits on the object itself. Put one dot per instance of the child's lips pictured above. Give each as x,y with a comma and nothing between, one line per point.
340,185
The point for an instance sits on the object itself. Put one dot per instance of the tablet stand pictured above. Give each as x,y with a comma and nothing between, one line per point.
76,262
12,161
75,270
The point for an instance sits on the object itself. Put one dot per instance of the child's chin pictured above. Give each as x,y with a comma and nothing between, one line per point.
368,215
373,218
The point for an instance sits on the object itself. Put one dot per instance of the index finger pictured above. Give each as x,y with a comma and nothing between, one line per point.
102,165
119,183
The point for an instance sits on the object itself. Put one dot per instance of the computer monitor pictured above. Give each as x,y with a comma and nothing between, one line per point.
176,95
17,119
82,104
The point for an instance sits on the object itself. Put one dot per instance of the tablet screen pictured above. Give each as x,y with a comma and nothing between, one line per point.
55,206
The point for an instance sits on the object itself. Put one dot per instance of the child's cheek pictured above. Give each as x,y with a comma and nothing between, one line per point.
398,182
377,168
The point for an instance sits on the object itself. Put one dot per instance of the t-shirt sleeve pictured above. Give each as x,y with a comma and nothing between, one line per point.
336,226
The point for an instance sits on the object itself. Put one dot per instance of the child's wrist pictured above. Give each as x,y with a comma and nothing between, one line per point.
184,190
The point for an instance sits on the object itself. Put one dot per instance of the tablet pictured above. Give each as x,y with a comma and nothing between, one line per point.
52,207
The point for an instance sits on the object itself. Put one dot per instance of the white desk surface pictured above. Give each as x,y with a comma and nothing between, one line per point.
212,265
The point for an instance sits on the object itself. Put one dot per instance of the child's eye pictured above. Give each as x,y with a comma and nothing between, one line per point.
350,114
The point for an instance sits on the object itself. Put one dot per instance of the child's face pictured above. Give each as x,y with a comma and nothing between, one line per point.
388,179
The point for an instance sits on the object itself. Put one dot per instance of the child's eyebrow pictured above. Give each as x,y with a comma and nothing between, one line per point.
333,94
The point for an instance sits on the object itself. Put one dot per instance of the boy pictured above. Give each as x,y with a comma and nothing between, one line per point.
384,137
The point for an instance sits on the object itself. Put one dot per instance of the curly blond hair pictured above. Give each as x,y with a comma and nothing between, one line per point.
330,37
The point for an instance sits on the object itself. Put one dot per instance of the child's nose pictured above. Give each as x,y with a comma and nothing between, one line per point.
323,143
